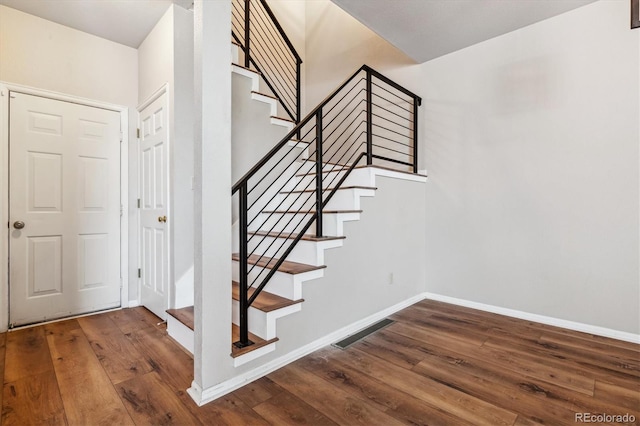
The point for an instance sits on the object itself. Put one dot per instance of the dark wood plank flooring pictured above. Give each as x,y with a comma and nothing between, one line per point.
437,364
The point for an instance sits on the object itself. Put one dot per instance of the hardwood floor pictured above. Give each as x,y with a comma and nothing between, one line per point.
437,364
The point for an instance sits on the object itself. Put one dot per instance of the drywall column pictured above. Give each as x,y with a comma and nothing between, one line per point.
212,196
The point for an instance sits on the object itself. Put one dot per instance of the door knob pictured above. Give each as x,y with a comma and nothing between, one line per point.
162,219
18,224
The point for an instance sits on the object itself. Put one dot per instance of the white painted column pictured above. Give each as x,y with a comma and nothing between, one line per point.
212,195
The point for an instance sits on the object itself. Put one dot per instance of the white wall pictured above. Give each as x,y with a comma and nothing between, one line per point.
166,57
336,46
44,55
532,151
531,144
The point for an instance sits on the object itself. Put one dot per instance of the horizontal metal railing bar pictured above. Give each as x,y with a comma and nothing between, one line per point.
394,113
266,80
278,192
258,41
393,122
355,153
301,165
271,213
326,113
295,242
380,157
265,26
355,129
355,118
352,144
291,134
393,84
412,97
341,181
395,142
280,30
390,102
284,73
406,101
344,108
274,166
269,70
392,150
393,131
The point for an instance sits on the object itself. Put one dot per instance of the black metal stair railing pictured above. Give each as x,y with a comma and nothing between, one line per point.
367,120
268,50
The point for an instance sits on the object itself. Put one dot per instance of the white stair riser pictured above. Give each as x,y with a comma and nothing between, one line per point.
263,324
180,333
308,252
281,284
343,199
358,177
332,223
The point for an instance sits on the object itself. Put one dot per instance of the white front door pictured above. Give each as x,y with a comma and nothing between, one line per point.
64,209
154,222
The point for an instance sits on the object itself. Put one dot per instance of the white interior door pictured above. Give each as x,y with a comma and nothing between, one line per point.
64,209
154,223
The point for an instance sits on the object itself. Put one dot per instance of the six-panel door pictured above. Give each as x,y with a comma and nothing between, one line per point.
64,186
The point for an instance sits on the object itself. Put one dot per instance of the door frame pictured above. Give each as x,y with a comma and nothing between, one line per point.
163,90
5,88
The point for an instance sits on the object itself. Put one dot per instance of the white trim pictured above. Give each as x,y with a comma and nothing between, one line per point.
134,303
396,175
203,396
543,319
254,354
5,88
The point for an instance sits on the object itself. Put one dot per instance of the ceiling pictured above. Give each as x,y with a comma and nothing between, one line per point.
124,21
423,29
427,29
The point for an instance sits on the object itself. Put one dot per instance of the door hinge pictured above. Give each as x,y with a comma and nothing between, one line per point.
138,133
138,202
121,210
121,137
121,282
139,273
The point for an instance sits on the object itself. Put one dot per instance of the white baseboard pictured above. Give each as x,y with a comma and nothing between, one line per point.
203,396
543,319
133,303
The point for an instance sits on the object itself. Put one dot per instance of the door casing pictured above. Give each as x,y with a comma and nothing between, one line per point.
5,88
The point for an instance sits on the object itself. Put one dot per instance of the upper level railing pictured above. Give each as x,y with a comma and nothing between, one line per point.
267,48
367,120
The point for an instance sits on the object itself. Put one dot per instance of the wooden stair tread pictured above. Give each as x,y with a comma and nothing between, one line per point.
266,302
245,68
340,169
287,267
290,236
310,211
332,170
283,119
264,94
390,169
257,342
184,315
331,189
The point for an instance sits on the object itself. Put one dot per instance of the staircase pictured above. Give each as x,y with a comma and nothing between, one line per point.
294,201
